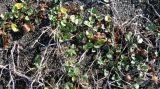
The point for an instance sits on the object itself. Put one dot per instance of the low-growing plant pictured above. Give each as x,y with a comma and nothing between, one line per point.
93,49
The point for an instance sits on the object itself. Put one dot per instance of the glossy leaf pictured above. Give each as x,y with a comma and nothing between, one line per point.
72,18
108,18
139,39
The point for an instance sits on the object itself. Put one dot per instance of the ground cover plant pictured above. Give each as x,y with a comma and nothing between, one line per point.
78,45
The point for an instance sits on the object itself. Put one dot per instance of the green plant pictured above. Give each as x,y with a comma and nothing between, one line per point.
111,53
73,70
71,51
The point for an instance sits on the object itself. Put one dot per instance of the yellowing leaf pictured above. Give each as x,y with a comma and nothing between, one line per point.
18,5
108,18
14,27
63,10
